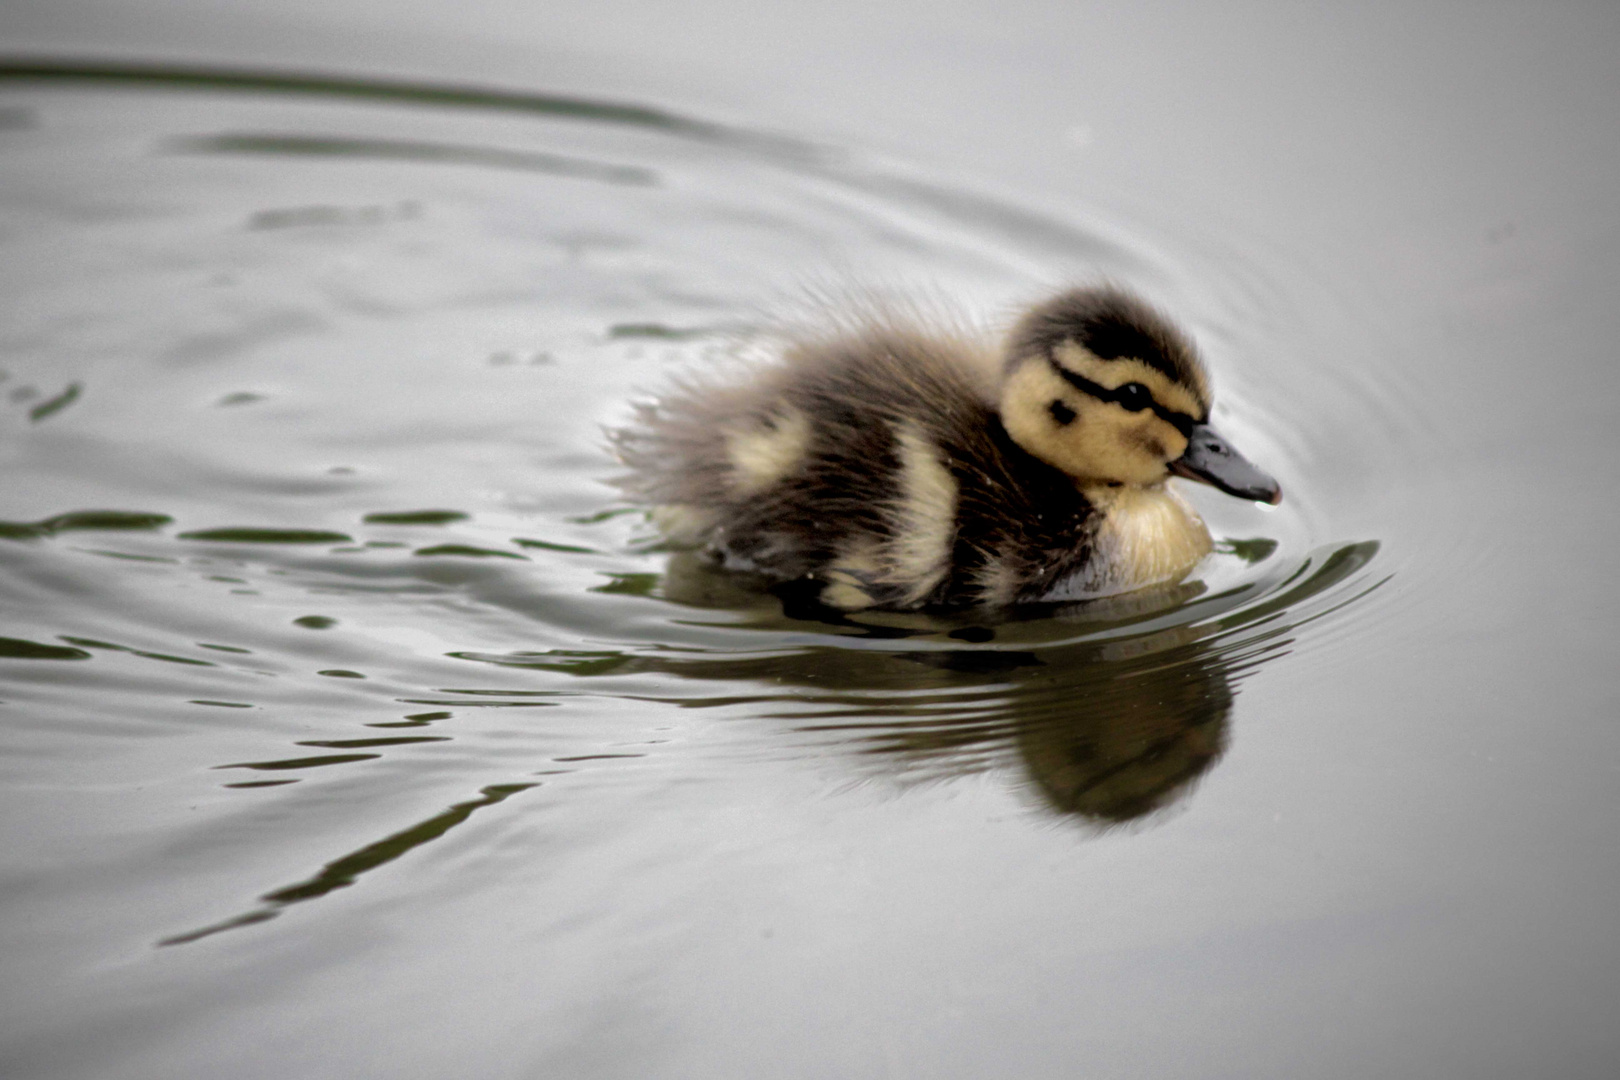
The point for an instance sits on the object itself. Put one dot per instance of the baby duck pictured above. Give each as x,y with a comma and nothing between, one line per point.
900,469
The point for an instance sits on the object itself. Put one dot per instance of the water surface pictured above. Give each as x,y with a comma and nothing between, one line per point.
351,725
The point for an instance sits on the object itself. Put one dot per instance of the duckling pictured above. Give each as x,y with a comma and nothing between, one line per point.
894,468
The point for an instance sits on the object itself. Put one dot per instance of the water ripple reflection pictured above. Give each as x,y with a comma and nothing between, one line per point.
342,872
1112,708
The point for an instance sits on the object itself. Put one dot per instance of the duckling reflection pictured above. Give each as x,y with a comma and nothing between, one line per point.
1112,708
1123,723
1110,714
1107,733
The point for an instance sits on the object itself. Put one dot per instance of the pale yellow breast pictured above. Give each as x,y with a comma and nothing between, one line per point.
1147,536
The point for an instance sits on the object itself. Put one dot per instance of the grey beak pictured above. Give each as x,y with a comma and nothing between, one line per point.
1214,461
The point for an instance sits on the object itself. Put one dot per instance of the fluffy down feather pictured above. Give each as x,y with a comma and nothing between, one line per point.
873,461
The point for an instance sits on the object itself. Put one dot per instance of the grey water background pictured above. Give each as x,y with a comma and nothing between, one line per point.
350,727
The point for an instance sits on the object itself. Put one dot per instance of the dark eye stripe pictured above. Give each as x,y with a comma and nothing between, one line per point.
1180,421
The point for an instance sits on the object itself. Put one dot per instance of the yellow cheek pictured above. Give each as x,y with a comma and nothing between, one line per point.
1104,442
1157,439
1110,444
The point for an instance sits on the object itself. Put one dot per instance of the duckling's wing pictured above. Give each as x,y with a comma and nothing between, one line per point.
832,461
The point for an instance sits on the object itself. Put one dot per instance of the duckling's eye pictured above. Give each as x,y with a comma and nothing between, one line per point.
1061,412
1134,396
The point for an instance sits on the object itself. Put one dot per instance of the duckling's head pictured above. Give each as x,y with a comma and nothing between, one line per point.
1100,385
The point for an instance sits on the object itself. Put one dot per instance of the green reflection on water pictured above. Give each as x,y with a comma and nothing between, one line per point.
314,762
52,406
657,331
412,150
391,92
415,517
630,585
547,545
268,536
395,740
345,871
22,649
84,520
92,643
287,82
1252,551
468,551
